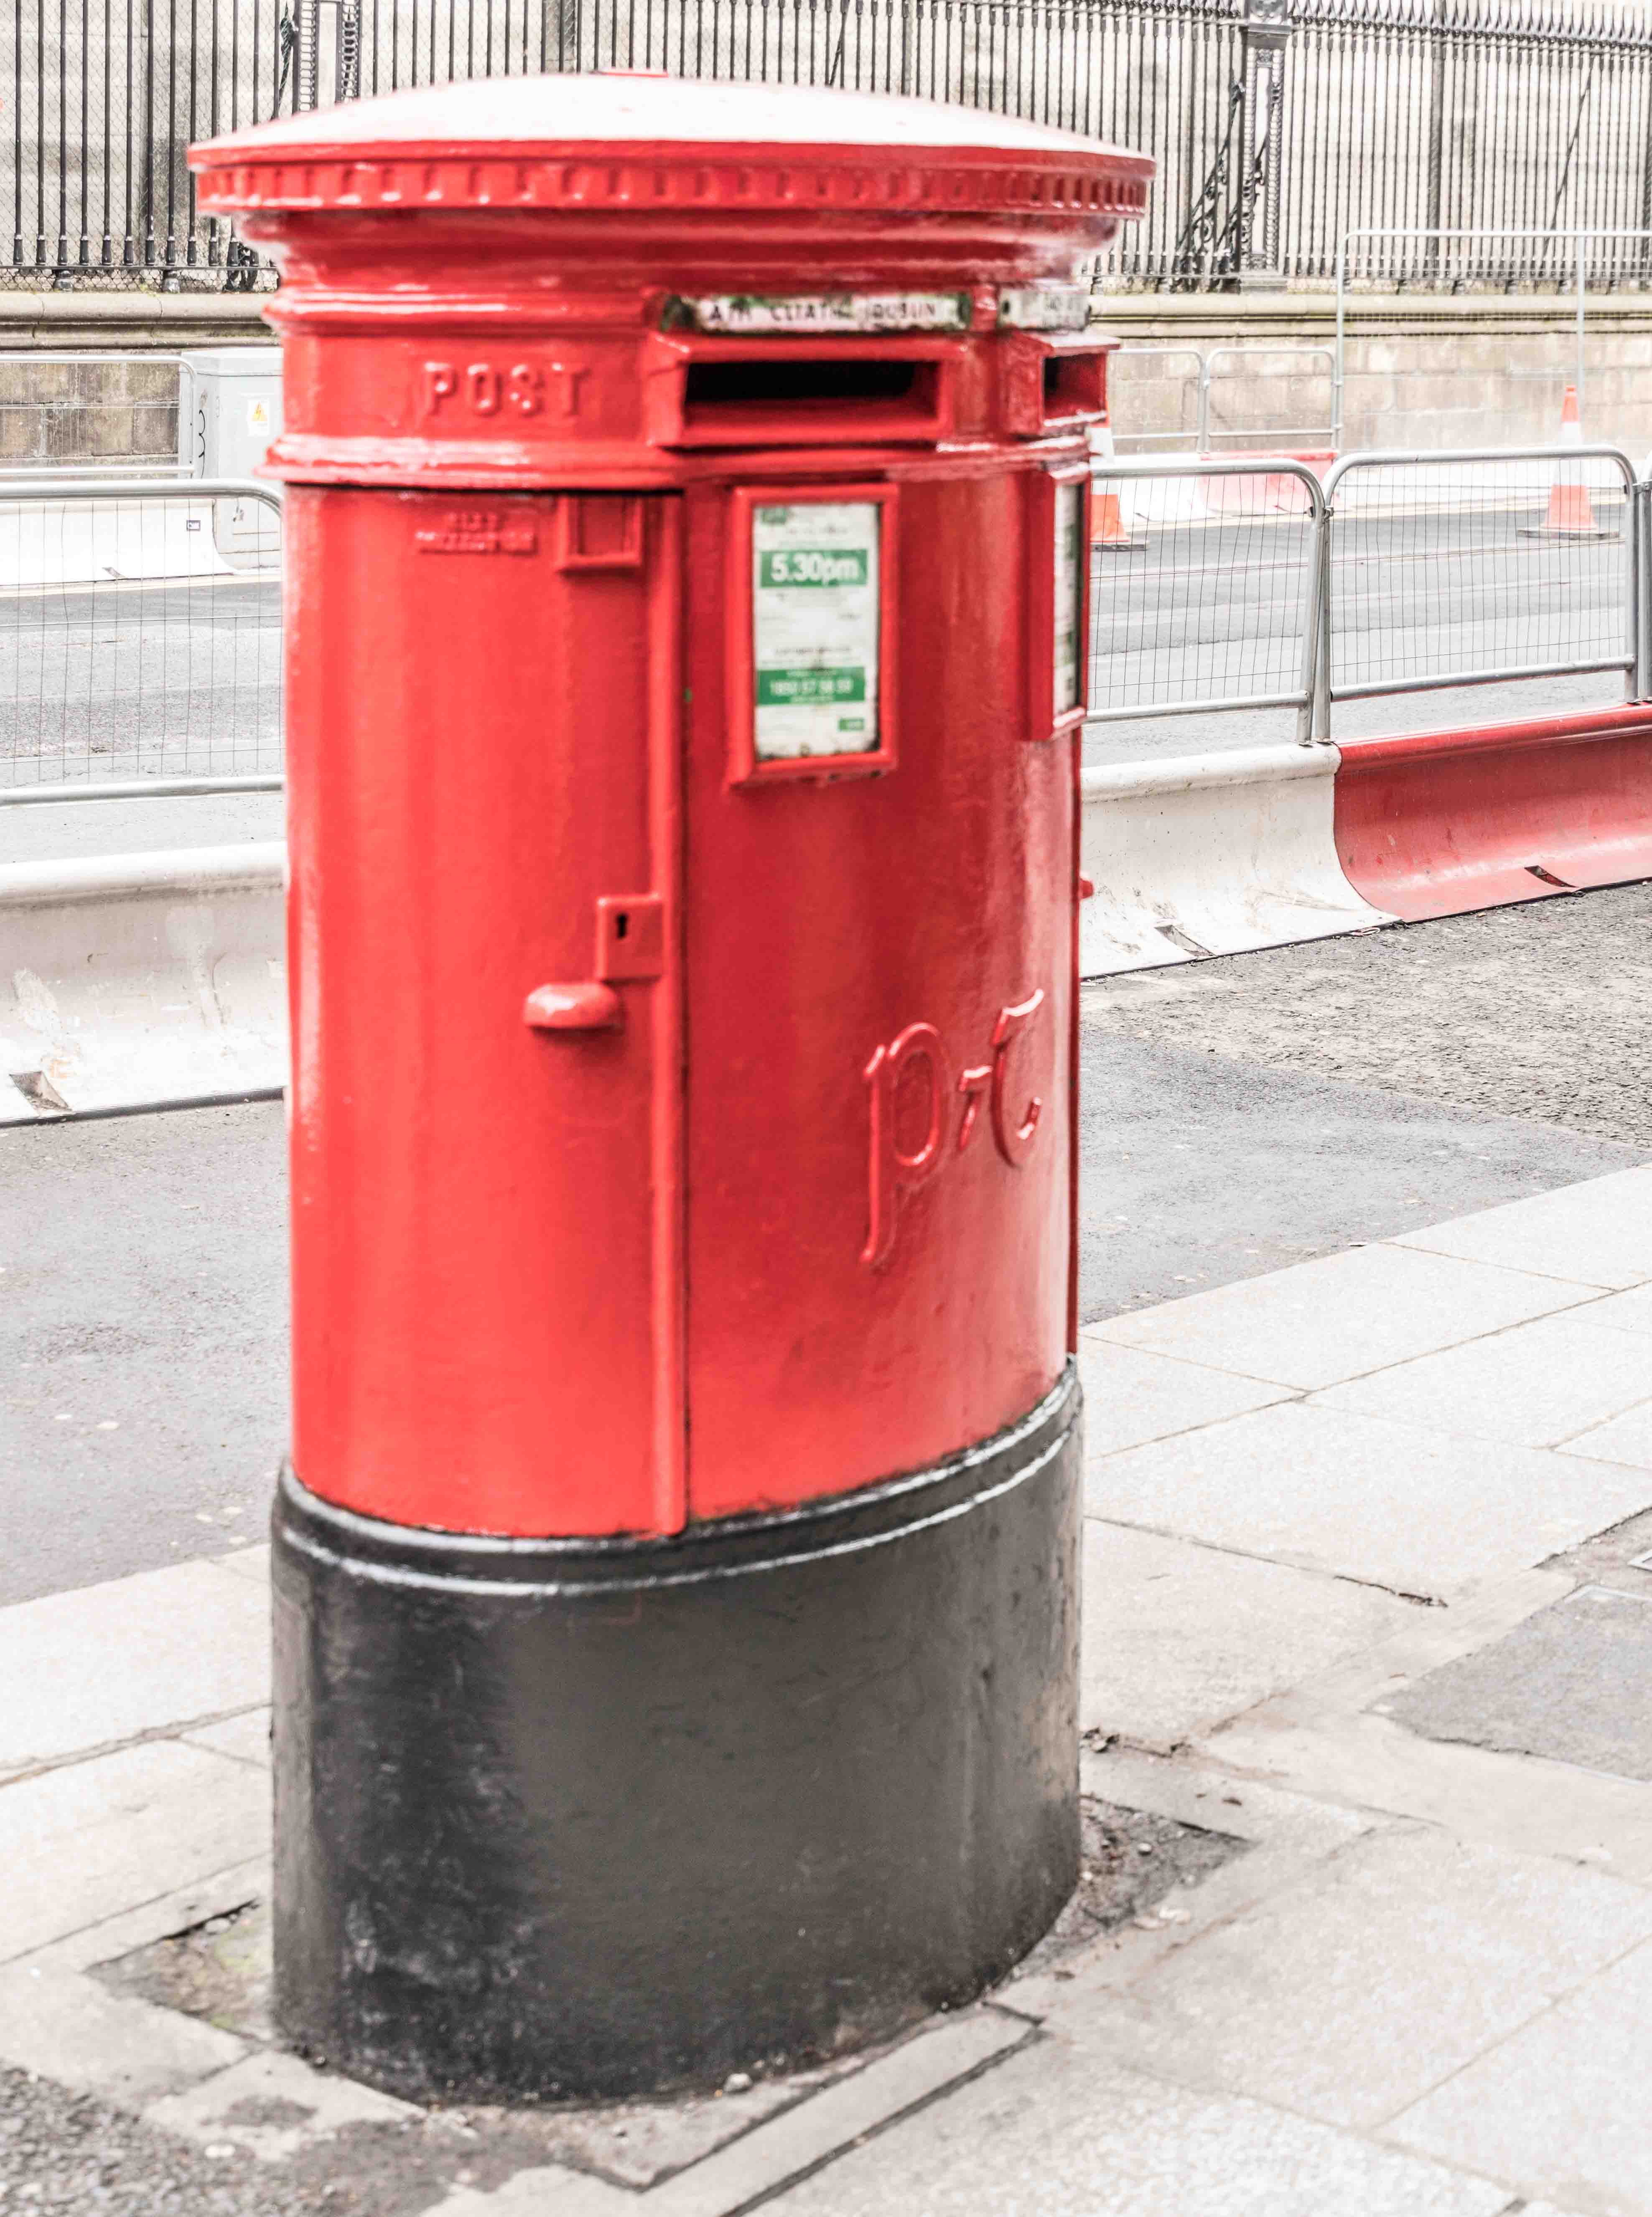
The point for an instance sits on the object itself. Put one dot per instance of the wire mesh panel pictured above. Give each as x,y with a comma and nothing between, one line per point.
1159,390
139,640
1448,570
1201,591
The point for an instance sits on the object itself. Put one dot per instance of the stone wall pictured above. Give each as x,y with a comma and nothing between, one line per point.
1420,370
87,377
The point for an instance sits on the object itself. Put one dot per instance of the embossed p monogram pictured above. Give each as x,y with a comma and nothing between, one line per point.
891,1172
1014,1141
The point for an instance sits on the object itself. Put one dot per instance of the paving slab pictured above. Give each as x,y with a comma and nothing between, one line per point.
1131,1397
1560,2109
1396,1963
248,1563
1069,2131
543,2193
801,2137
1476,1793
272,2105
80,1845
1573,1684
1601,1229
1194,1789
245,1736
1343,1315
1624,1439
1177,1637
73,2030
94,1667
1626,1312
1536,1385
219,1893
1428,1638
1395,1505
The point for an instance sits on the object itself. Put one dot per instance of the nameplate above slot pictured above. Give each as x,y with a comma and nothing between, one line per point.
809,315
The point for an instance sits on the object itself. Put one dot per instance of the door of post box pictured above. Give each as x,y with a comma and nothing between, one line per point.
878,968
485,712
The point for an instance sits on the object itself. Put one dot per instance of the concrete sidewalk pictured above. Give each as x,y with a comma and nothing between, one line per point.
1368,1682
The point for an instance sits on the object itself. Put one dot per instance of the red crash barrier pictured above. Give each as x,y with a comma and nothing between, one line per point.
1449,821
1270,492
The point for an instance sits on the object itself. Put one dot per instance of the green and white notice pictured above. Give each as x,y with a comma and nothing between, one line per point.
815,589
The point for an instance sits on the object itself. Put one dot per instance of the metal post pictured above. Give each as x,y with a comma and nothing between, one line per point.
1265,28
1342,333
1438,51
1581,249
1311,641
347,51
1640,609
1320,651
307,16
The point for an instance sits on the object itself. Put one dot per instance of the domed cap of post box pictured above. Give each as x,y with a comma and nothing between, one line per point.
630,143
609,232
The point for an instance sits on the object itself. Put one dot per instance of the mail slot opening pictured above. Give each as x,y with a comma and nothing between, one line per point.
1073,385
809,384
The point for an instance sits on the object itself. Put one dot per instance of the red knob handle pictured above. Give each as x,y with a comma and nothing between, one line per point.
586,1005
1087,888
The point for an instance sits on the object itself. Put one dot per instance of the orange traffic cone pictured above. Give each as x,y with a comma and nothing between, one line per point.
1571,513
1108,529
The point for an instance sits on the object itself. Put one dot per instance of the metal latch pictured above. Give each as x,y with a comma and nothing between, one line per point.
629,947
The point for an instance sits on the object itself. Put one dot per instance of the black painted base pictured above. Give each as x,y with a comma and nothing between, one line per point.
598,1817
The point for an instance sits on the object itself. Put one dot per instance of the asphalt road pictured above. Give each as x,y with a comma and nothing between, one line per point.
1237,1115
131,678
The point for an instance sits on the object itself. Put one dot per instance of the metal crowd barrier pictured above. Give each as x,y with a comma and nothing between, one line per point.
1185,431
1207,373
140,625
1226,583
1239,577
140,648
1314,433
1470,495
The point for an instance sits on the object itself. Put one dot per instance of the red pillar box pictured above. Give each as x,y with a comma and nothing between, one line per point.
687,530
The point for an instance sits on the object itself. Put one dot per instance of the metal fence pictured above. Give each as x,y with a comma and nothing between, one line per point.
1221,613
1200,423
1224,587
140,622
140,638
1279,126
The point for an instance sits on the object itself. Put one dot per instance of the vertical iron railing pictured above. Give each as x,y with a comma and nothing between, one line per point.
1277,125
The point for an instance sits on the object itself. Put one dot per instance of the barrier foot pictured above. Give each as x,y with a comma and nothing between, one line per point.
597,1817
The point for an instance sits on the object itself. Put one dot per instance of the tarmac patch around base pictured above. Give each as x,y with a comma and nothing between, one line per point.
1573,1684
